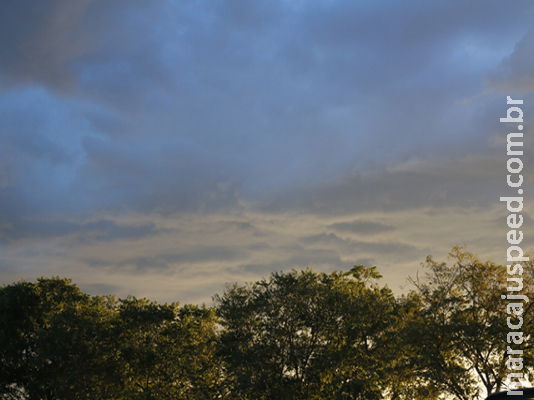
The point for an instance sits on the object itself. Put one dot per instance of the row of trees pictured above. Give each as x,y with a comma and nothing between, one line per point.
59,343
297,335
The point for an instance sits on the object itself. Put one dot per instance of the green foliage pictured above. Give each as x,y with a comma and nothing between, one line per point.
58,343
458,333
168,352
28,315
305,336
297,335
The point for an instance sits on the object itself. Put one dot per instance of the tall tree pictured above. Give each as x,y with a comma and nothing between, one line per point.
59,343
82,347
459,336
168,352
26,314
305,336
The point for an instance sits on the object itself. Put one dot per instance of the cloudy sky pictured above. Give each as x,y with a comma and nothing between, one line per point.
165,148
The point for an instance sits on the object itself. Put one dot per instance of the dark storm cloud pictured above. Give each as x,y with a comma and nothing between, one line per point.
330,109
188,106
39,40
132,45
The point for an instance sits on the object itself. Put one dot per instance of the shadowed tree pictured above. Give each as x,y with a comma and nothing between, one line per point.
29,314
168,352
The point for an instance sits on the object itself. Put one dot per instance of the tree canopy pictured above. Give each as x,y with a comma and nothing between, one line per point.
296,335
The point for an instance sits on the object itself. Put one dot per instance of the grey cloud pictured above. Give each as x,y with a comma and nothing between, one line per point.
259,246
13,204
324,238
397,248
515,72
29,124
201,103
32,146
7,267
205,254
349,41
330,239
99,44
416,25
144,264
147,177
463,182
336,108
54,43
169,261
38,154
240,226
250,15
109,230
39,40
313,258
102,230
362,227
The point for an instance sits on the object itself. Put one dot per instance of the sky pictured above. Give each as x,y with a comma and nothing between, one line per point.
164,149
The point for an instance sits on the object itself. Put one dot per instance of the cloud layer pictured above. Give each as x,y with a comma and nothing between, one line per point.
200,142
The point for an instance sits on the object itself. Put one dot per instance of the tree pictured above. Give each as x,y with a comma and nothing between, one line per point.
297,335
305,336
81,344
407,379
168,352
26,311
59,343
458,337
